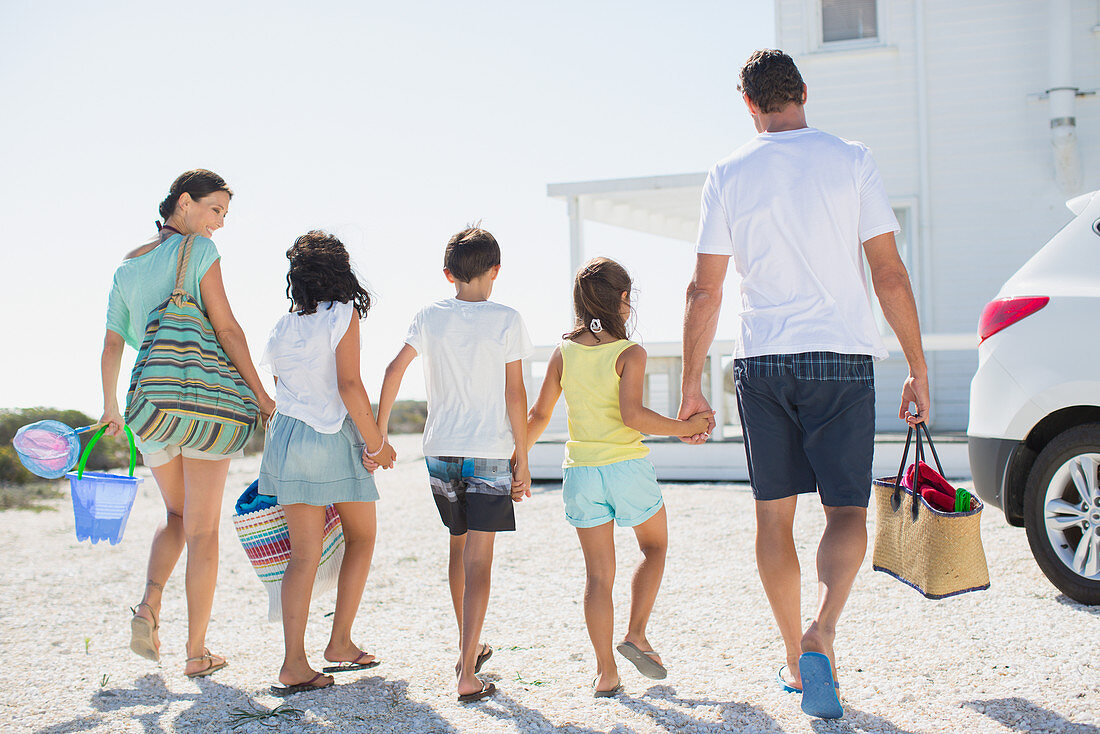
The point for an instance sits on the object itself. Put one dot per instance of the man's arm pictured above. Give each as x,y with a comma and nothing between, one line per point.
704,304
895,295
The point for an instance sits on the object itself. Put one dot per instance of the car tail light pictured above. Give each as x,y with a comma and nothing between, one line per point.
1005,312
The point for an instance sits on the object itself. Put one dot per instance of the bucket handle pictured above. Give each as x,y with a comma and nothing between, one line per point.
95,437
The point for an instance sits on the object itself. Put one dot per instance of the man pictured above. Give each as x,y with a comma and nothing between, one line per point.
798,209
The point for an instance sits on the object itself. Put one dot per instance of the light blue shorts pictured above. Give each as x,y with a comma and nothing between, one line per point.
302,466
625,492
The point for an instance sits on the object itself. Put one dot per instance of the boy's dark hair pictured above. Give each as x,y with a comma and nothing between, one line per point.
198,183
598,294
771,80
320,270
470,253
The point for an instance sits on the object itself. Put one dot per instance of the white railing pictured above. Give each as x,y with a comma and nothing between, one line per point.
664,369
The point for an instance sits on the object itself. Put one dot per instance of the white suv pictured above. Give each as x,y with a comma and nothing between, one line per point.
1034,432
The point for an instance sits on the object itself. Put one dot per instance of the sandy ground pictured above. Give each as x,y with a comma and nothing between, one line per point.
1019,657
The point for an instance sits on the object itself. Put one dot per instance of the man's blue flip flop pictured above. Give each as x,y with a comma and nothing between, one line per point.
787,687
819,697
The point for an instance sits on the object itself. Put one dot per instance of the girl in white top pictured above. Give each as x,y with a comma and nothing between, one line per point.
315,447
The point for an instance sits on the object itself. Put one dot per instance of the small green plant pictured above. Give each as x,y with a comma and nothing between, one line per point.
535,682
266,717
104,680
87,645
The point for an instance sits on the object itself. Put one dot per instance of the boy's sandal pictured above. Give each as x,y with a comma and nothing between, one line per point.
210,668
643,660
487,689
141,633
610,692
482,657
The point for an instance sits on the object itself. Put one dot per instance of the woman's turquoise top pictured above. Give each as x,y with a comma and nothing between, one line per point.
144,282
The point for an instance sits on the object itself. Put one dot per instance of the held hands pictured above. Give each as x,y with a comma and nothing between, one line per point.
521,478
915,390
693,405
384,459
699,424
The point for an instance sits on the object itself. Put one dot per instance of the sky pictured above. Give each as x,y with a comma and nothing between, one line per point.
392,125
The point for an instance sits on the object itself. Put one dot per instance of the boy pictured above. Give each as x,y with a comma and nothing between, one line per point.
477,418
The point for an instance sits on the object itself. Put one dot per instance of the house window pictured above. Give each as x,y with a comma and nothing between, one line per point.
848,20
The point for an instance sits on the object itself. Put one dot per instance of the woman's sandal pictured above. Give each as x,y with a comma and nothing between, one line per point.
141,634
211,668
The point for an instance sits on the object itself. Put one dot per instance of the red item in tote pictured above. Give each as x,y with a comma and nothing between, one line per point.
935,490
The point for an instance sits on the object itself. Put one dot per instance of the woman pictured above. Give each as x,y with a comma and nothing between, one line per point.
190,481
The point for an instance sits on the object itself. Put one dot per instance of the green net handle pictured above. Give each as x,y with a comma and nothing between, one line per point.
95,437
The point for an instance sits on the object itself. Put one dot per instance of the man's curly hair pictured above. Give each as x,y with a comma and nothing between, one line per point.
320,270
771,80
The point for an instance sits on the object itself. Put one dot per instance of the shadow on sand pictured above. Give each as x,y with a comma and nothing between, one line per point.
365,705
1022,715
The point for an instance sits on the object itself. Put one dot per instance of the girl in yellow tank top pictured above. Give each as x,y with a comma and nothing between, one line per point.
606,476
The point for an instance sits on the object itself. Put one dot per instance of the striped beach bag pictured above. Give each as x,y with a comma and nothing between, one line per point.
266,540
184,391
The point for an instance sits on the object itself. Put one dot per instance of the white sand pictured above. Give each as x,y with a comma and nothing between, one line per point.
1019,657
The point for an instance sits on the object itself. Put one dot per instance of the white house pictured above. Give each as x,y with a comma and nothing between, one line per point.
983,118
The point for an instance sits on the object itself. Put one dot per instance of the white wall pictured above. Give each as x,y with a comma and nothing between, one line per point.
993,198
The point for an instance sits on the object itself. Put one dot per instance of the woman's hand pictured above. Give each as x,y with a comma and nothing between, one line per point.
113,420
267,407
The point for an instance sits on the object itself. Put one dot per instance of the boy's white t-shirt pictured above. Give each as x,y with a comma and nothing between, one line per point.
465,346
793,209
301,352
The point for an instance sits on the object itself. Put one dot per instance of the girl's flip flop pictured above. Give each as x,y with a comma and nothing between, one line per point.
353,665
787,687
487,690
309,685
819,696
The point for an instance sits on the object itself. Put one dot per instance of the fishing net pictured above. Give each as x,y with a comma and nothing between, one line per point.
47,448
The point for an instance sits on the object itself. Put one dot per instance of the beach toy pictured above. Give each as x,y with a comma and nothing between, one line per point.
48,449
264,535
102,502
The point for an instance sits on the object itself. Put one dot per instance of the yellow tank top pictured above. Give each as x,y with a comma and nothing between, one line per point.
597,434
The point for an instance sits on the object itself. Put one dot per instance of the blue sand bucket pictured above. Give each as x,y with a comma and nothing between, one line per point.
102,502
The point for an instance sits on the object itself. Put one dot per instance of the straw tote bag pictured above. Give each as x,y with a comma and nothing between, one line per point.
184,391
938,553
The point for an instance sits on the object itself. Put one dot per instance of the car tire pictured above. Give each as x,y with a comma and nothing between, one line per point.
1054,541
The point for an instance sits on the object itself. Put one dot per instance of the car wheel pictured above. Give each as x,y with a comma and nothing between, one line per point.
1062,512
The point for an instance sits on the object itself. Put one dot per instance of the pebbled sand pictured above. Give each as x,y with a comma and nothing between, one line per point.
1019,657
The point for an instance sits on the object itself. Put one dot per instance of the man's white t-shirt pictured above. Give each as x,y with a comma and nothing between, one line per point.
793,209
301,352
465,346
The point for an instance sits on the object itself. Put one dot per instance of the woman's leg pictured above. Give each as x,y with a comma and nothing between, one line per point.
306,524
598,546
653,541
168,541
359,524
204,483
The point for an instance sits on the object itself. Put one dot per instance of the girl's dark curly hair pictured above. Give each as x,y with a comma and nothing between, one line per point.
320,270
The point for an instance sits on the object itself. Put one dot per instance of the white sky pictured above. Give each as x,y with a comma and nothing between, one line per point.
392,125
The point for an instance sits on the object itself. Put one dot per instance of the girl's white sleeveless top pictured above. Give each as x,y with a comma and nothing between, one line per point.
301,354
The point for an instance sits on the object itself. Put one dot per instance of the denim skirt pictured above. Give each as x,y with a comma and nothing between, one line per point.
302,466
